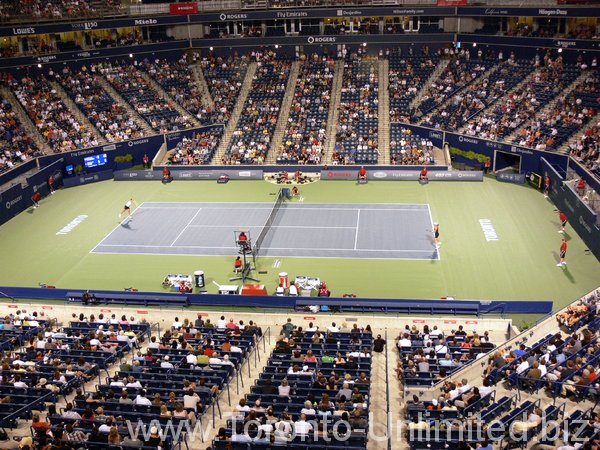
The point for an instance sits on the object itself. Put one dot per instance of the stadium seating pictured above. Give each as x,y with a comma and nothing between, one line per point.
407,148
176,78
16,146
107,116
356,137
161,115
50,115
197,150
478,95
304,136
254,130
539,88
460,72
550,130
293,384
224,78
407,76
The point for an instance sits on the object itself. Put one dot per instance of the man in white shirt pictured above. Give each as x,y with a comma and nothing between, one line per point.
333,328
153,344
116,382
302,427
21,384
486,389
404,341
221,323
523,366
293,290
464,386
176,324
235,348
133,383
191,359
166,364
141,399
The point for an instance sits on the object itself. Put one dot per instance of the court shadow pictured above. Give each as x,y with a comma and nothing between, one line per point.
568,274
126,225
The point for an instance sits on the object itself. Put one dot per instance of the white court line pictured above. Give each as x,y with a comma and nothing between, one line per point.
289,204
185,228
439,257
356,234
273,248
195,255
274,226
288,208
114,229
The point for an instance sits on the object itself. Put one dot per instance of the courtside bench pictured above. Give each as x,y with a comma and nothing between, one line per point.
128,298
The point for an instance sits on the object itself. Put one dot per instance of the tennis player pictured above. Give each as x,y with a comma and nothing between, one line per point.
563,253
127,207
563,221
436,235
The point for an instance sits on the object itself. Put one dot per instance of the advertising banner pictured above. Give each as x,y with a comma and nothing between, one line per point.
12,202
183,8
189,173
508,177
79,180
402,174
452,2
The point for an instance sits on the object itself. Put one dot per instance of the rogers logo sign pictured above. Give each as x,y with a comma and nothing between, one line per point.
338,174
380,175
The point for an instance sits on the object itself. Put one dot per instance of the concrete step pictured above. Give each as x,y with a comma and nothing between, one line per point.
434,76
165,95
449,100
551,106
235,114
122,102
201,81
334,111
384,113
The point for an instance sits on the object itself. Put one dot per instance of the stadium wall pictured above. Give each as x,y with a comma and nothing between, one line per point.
274,302
583,220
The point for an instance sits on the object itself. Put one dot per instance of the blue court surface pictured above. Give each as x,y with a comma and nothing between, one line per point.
309,230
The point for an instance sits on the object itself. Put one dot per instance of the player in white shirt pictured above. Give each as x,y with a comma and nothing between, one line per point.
127,207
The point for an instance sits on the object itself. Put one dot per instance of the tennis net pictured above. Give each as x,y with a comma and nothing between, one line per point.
263,233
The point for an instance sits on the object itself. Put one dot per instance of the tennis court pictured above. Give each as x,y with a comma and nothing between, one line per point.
312,230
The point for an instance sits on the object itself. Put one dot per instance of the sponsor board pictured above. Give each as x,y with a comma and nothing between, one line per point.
188,174
87,179
507,177
403,174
